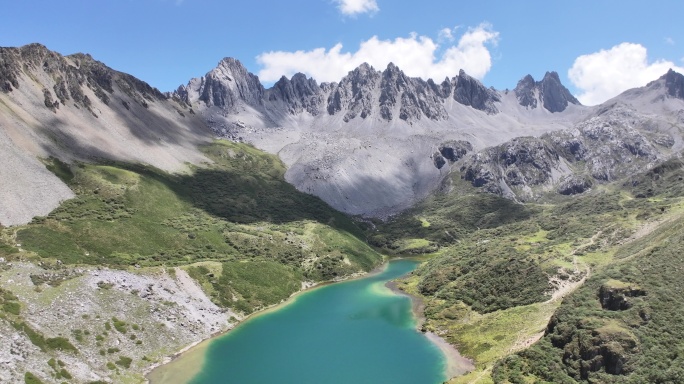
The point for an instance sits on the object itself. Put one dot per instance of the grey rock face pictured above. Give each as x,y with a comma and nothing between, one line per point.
553,96
525,92
520,164
603,148
416,97
411,98
469,91
442,90
299,94
228,84
71,76
455,150
675,84
438,160
574,184
354,93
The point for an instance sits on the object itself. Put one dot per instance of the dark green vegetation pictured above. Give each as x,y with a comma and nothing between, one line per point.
250,239
9,302
444,219
238,209
30,378
45,344
246,286
625,324
59,371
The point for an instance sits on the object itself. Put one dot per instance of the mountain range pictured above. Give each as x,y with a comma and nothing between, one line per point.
115,195
372,144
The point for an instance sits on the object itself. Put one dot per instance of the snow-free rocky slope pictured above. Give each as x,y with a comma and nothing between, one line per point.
76,108
372,144
624,136
376,141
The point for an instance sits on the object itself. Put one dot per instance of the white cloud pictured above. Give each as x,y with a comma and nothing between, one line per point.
446,34
356,7
415,55
607,73
669,41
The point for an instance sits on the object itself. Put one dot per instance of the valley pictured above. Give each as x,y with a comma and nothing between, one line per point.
135,223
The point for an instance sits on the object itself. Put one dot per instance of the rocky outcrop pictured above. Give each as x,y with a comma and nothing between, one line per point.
614,295
612,145
455,150
675,84
451,152
469,91
298,94
414,96
526,92
227,85
608,348
574,184
515,166
552,95
354,93
555,97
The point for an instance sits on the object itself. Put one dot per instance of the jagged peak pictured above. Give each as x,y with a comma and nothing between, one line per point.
550,91
528,79
364,69
299,77
230,62
471,92
674,81
392,68
551,75
231,66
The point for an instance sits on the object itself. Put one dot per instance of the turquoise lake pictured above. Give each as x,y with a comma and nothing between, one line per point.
351,332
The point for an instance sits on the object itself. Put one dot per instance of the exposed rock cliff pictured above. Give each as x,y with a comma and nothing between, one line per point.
469,91
615,143
553,96
76,108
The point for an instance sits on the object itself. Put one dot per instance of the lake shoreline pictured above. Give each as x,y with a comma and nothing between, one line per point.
169,366
456,364
185,364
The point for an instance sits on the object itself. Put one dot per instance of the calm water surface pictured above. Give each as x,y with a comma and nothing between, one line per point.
351,332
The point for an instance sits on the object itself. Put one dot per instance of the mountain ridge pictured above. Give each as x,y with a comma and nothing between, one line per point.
319,130
390,141
371,144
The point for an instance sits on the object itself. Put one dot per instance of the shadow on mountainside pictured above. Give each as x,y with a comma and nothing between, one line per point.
244,186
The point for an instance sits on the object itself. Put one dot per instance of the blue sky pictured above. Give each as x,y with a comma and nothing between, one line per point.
599,48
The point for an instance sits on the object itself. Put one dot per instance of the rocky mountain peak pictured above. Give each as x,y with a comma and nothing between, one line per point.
525,92
674,82
355,93
414,97
471,92
298,93
553,96
227,85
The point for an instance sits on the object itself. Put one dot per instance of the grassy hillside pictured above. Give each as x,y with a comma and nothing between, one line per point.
493,285
238,209
625,325
499,281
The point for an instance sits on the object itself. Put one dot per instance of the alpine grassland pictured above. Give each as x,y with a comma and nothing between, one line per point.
237,211
575,289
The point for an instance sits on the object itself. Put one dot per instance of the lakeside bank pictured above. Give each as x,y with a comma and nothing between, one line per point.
456,364
191,361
